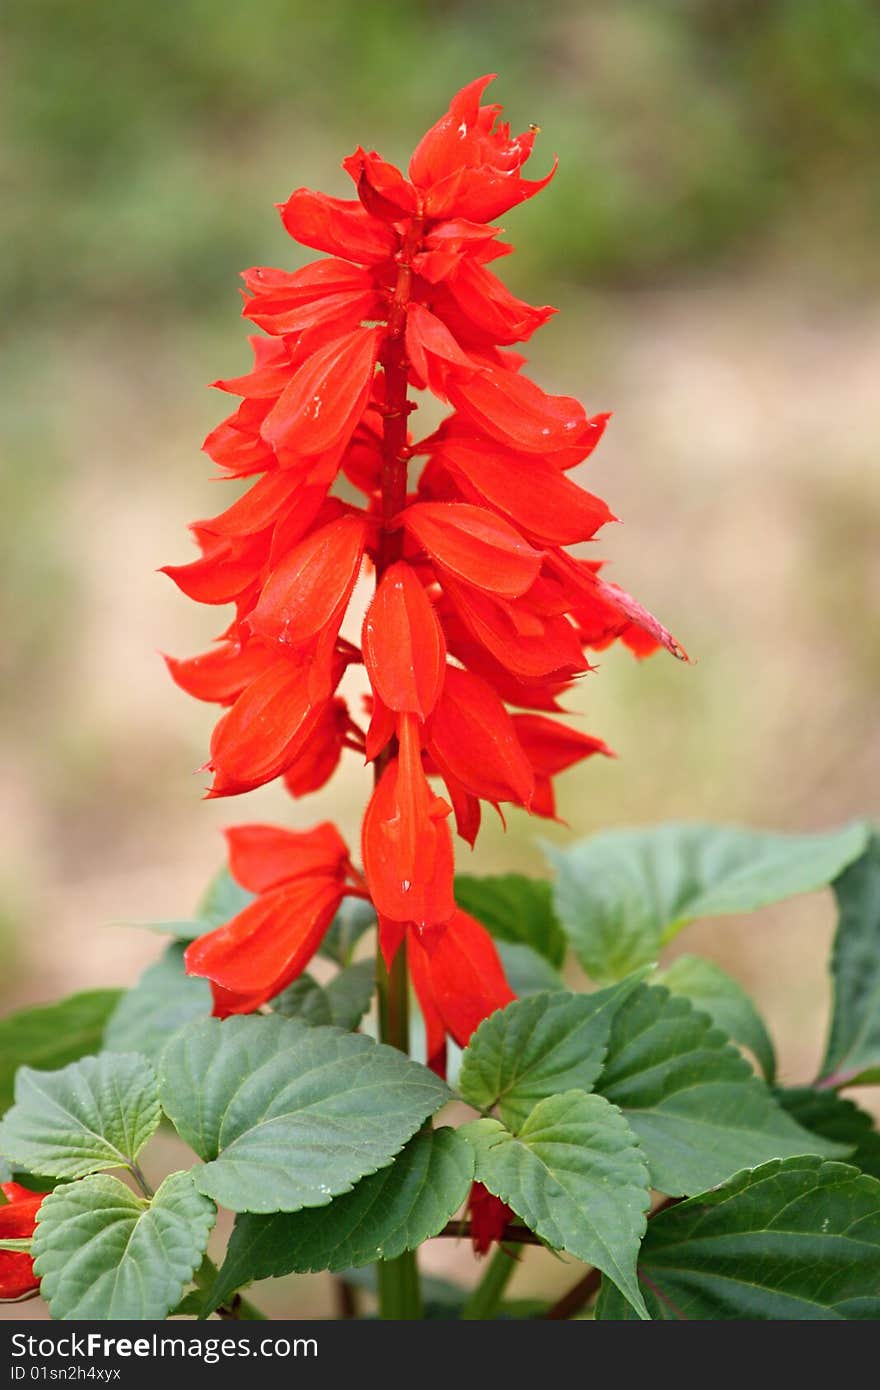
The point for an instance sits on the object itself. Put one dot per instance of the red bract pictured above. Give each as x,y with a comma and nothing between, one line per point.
478,605
18,1220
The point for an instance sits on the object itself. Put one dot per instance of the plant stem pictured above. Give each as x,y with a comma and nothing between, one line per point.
399,1293
485,1298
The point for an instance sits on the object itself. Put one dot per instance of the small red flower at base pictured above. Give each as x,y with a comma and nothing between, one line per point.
18,1219
489,1216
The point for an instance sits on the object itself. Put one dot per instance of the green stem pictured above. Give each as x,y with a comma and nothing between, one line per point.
400,1297
485,1298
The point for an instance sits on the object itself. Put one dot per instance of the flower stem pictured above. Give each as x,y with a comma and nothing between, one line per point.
399,1292
485,1298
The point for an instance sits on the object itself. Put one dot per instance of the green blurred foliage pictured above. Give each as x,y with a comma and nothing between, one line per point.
145,136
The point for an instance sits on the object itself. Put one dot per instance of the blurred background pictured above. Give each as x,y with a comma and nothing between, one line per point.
711,236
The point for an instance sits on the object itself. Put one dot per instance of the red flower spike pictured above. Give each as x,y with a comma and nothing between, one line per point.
471,566
18,1221
475,545
403,646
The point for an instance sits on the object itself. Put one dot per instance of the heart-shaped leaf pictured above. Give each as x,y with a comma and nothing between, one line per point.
102,1253
394,1210
699,1111
791,1241
575,1175
286,1115
536,1047
622,894
93,1114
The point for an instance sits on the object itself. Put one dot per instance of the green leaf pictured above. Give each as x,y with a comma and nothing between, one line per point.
93,1114
829,1115
515,908
575,1175
797,1240
52,1035
536,1047
725,1001
342,1002
348,926
162,1001
223,899
526,971
623,894
103,1253
185,929
698,1109
288,1116
853,1051
394,1210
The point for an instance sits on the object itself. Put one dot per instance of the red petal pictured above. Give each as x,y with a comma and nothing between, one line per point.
391,935
265,729
381,186
532,492
555,651
326,395
309,590
512,409
453,141
552,747
466,975
626,604
315,765
220,674
264,856
435,1031
258,508
18,1220
403,646
433,352
342,227
225,570
266,946
407,848
490,311
472,735
475,545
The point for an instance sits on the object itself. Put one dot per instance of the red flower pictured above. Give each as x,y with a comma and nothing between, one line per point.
299,878
489,1217
478,604
18,1221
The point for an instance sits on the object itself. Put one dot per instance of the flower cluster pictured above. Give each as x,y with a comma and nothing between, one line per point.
481,616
